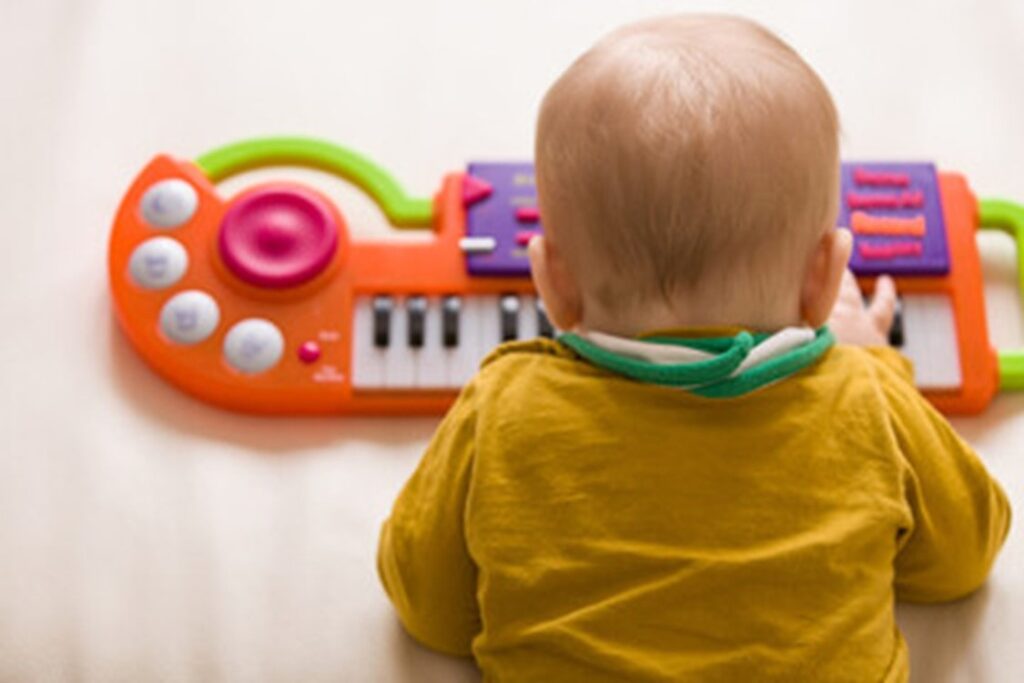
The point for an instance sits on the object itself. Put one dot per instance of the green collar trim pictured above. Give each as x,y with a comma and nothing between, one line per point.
720,375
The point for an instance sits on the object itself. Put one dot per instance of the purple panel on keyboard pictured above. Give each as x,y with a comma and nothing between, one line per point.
881,190
901,191
495,216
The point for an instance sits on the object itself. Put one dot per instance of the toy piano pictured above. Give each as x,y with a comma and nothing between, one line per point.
261,302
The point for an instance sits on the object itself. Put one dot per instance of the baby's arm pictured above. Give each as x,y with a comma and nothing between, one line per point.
959,514
422,558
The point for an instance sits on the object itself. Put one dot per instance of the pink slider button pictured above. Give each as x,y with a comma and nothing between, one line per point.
863,176
528,214
278,236
892,250
523,237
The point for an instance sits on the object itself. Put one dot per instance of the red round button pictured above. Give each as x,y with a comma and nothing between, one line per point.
309,352
278,236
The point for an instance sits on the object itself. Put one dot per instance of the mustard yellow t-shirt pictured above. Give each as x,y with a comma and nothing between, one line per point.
569,524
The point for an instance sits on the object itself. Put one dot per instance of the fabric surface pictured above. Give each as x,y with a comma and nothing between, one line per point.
147,537
570,524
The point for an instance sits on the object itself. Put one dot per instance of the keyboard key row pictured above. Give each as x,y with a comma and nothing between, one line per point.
436,342
419,342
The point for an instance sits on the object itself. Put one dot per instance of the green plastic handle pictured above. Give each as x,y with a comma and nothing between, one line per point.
401,210
999,214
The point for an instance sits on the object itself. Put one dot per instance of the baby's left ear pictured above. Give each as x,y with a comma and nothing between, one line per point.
823,276
555,283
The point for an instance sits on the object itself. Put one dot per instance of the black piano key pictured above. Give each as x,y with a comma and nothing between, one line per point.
451,306
382,307
896,337
544,327
416,310
509,317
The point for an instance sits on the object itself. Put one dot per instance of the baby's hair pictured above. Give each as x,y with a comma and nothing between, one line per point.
686,154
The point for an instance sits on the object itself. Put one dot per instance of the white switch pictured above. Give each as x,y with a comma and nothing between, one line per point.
253,345
189,317
158,263
169,203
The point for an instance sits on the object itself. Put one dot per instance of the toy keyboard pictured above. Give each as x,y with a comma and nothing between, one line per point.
262,303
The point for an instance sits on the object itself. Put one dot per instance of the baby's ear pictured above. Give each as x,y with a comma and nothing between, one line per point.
823,276
555,284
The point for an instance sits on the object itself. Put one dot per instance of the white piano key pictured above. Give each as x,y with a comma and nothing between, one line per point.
431,363
490,324
528,327
465,358
455,369
399,372
367,359
930,342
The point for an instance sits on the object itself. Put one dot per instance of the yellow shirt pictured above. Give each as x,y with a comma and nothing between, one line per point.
569,524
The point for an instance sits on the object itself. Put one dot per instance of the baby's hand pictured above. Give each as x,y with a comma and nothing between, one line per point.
854,322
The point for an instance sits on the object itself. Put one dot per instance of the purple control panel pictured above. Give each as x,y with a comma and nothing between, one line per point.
893,209
900,229
506,213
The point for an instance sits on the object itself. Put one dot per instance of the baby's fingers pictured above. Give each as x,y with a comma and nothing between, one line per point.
883,304
849,291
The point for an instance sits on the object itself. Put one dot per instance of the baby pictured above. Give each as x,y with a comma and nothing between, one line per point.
693,483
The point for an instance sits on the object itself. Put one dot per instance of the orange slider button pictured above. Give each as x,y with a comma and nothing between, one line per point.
866,224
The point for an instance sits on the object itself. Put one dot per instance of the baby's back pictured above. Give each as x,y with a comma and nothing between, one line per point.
628,531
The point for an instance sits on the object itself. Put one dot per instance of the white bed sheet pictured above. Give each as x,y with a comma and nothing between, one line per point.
145,536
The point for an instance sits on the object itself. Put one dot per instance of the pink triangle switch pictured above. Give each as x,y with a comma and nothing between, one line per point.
474,189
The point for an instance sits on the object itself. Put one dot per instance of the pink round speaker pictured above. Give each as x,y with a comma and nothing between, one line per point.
278,236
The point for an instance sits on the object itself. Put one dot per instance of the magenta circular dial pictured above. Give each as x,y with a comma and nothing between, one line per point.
278,236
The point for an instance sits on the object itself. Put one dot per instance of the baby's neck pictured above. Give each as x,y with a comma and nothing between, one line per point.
647,319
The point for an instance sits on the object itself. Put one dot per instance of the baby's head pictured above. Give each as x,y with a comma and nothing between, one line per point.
687,169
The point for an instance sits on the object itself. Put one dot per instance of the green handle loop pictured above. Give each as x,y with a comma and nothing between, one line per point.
401,210
999,214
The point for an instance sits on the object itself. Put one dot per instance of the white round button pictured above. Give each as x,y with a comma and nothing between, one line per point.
189,317
169,203
253,345
158,262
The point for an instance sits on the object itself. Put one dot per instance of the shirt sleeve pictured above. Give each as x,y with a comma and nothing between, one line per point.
895,361
960,515
422,558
